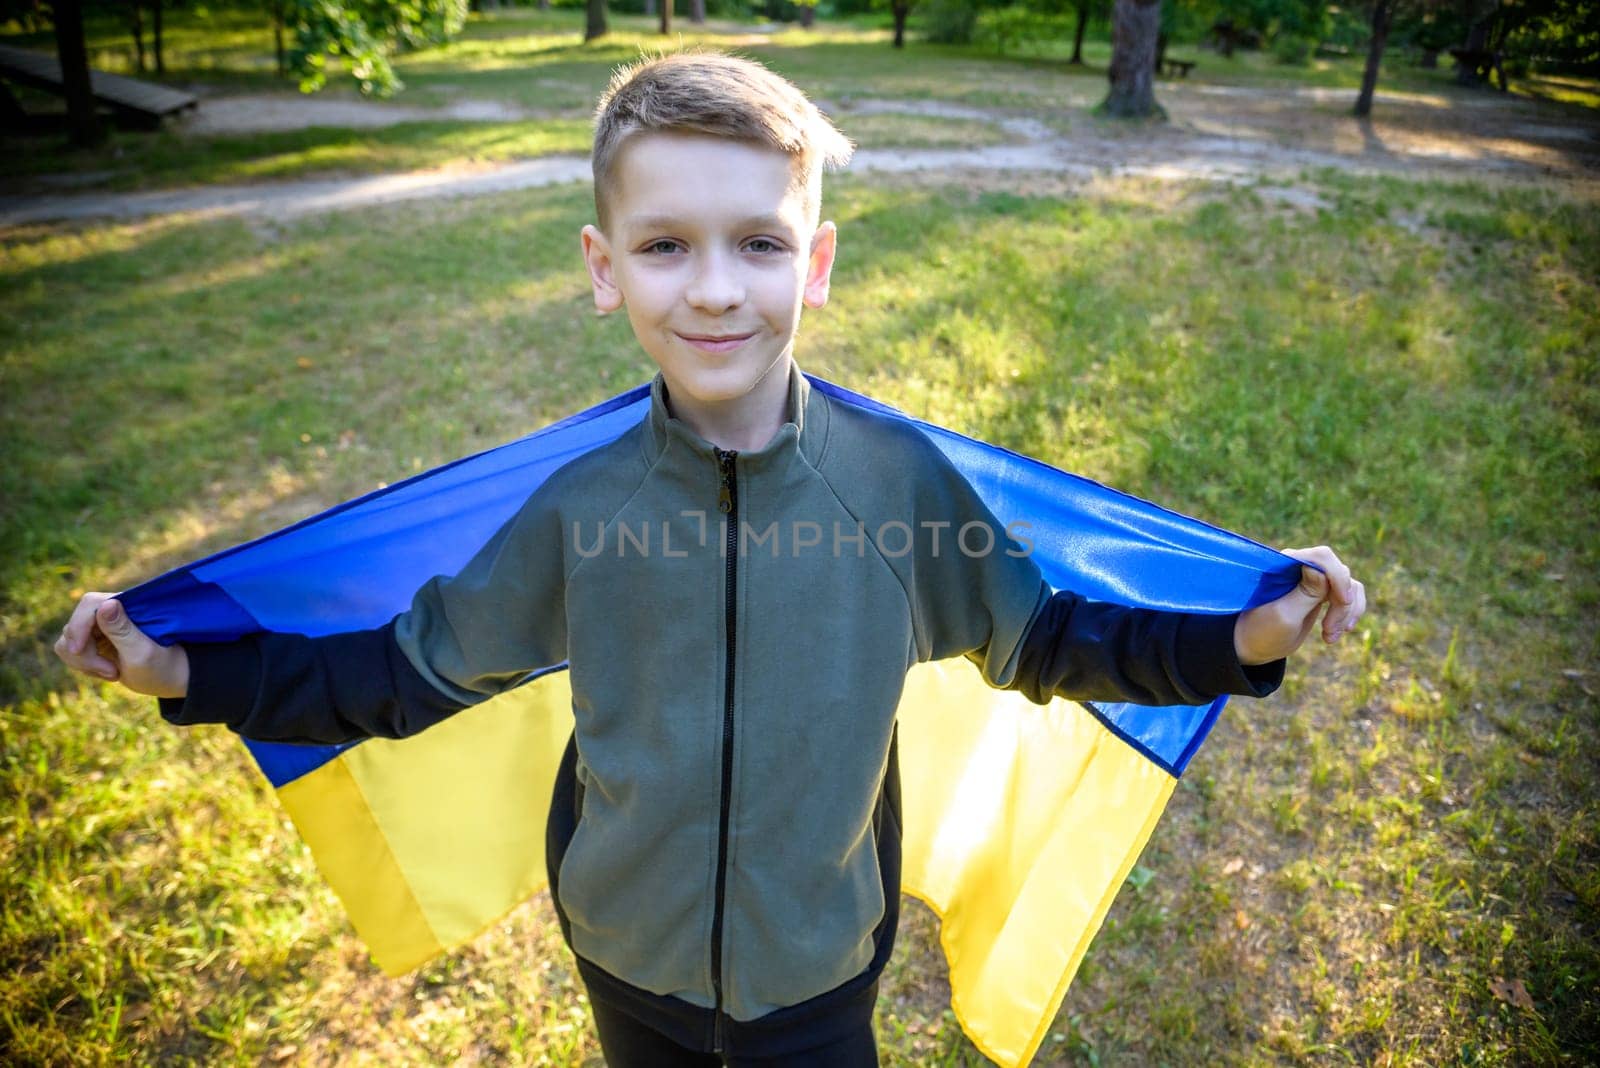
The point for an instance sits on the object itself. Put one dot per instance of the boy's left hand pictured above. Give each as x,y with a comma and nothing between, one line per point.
1273,630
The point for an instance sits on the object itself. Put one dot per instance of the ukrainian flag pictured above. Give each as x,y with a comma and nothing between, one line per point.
1021,821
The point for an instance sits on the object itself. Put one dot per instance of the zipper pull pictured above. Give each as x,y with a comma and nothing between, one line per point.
724,489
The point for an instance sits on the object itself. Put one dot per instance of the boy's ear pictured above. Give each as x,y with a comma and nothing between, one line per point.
597,257
824,243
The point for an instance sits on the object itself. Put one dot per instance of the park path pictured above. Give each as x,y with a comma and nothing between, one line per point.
1220,134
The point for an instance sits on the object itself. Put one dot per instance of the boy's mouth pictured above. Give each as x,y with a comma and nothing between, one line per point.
716,342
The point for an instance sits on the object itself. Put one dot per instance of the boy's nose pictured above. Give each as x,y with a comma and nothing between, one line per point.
716,286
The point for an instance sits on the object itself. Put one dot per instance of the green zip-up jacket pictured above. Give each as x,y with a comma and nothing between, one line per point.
738,628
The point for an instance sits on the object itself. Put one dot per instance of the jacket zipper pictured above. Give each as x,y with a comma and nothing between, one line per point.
728,505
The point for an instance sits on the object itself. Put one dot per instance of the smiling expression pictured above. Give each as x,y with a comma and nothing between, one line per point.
712,250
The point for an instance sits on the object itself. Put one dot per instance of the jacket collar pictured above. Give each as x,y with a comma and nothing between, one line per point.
805,432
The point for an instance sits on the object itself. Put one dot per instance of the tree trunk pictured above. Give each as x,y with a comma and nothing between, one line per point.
1380,37
1477,43
697,12
650,7
136,28
155,33
1077,37
1135,25
544,5
277,37
84,129
666,16
1492,62
1161,53
901,9
595,21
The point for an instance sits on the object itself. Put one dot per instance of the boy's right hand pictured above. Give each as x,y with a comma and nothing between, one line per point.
101,640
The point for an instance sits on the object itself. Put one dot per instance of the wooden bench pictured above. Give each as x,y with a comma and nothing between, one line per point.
1178,67
142,103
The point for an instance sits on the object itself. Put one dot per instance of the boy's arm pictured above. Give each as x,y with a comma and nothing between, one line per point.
269,687
1097,651
996,609
464,638
327,690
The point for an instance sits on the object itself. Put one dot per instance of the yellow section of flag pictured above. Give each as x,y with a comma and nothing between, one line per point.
1021,823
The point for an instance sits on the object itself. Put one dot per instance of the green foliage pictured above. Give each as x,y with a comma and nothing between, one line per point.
1554,35
1432,27
1008,30
1306,23
949,21
1292,49
28,15
360,36
1253,15
1305,20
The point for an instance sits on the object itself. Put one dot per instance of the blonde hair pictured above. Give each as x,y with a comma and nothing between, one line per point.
719,95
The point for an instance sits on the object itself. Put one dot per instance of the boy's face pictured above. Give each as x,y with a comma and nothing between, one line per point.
711,248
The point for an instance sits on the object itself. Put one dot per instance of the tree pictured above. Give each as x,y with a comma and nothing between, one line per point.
1135,27
666,16
1481,19
1558,35
594,25
29,14
1381,12
1082,7
360,35
901,9
1420,14
136,30
697,11
84,128
156,35
1561,35
277,9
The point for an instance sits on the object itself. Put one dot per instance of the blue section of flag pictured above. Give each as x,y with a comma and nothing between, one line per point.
358,564
283,763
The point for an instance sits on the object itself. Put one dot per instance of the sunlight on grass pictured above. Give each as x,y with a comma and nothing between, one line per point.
1567,90
1407,370
919,131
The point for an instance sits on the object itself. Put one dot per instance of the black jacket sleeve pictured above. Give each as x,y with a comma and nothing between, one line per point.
290,688
1096,651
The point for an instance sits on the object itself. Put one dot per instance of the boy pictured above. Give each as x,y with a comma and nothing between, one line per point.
723,841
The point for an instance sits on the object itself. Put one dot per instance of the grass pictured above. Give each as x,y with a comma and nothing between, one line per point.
1348,872
537,62
166,158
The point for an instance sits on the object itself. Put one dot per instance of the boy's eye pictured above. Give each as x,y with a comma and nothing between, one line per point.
664,246
763,245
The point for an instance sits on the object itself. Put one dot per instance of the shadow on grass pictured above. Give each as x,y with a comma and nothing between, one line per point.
182,386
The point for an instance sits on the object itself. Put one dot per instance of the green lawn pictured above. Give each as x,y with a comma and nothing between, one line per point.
537,61
1349,871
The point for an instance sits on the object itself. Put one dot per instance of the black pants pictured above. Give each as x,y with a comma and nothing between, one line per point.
628,1042
639,1029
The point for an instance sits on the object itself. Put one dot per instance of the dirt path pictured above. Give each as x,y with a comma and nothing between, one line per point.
1217,133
